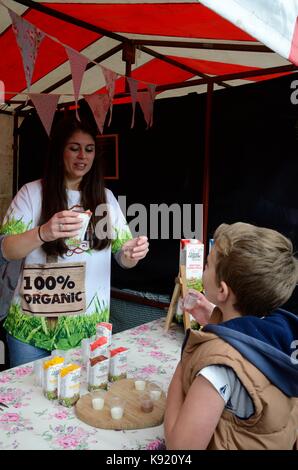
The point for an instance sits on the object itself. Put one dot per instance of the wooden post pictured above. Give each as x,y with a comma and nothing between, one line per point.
186,319
174,300
180,289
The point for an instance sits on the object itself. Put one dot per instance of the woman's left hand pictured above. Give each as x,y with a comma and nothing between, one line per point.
136,249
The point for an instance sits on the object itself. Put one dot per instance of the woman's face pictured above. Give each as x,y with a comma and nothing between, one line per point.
78,156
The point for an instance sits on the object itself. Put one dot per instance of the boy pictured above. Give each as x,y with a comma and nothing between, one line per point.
236,386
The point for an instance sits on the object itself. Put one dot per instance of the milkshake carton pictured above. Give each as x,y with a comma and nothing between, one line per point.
98,373
98,347
192,257
69,381
105,329
85,216
51,368
118,364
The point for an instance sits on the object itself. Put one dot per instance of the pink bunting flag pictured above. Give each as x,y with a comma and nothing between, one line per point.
110,79
133,87
99,105
45,106
78,63
28,39
146,100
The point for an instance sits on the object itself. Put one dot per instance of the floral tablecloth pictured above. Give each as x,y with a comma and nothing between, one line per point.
33,422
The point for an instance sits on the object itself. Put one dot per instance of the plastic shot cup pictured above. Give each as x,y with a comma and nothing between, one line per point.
85,216
117,406
146,403
155,391
38,372
140,384
98,399
190,301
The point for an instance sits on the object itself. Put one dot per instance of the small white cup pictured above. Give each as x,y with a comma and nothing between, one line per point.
38,372
98,399
140,385
155,391
117,405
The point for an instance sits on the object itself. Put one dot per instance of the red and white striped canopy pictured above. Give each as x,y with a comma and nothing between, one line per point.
177,45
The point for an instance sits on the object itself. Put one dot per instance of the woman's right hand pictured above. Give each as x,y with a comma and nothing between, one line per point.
64,224
201,308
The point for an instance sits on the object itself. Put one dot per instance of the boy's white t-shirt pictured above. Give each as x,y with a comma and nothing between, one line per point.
226,382
24,214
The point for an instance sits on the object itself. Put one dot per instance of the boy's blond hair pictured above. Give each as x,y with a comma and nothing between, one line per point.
258,264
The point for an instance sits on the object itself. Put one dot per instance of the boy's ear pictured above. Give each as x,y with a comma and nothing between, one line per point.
223,291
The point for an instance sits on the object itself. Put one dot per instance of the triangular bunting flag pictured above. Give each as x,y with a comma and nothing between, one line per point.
29,39
99,105
45,106
78,64
133,87
146,100
110,78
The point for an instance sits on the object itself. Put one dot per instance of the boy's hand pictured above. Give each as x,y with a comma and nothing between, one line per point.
201,308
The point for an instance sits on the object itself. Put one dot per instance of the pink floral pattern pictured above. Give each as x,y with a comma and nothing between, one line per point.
33,422
68,437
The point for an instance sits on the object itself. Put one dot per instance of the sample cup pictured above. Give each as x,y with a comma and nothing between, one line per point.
117,405
146,402
38,372
140,384
155,391
98,399
190,301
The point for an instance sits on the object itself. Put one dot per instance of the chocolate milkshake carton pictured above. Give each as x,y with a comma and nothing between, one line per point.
118,364
98,373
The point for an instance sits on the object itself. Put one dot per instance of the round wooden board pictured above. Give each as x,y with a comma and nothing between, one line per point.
133,418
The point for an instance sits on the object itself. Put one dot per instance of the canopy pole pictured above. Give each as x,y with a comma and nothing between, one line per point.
15,149
206,171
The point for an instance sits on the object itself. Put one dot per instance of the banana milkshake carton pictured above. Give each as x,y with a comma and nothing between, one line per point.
69,381
51,368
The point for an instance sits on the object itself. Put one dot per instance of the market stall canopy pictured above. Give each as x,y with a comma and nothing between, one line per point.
179,46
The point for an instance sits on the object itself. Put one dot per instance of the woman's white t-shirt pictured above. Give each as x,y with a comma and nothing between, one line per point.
24,214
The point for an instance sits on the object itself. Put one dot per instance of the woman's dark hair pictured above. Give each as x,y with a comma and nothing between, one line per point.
54,195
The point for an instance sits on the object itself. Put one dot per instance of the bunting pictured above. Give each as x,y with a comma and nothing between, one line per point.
110,78
99,105
45,106
78,63
146,100
133,87
28,38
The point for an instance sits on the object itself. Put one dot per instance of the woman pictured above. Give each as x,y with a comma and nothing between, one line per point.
64,286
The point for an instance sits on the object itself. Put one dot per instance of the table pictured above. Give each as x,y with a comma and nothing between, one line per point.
33,422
